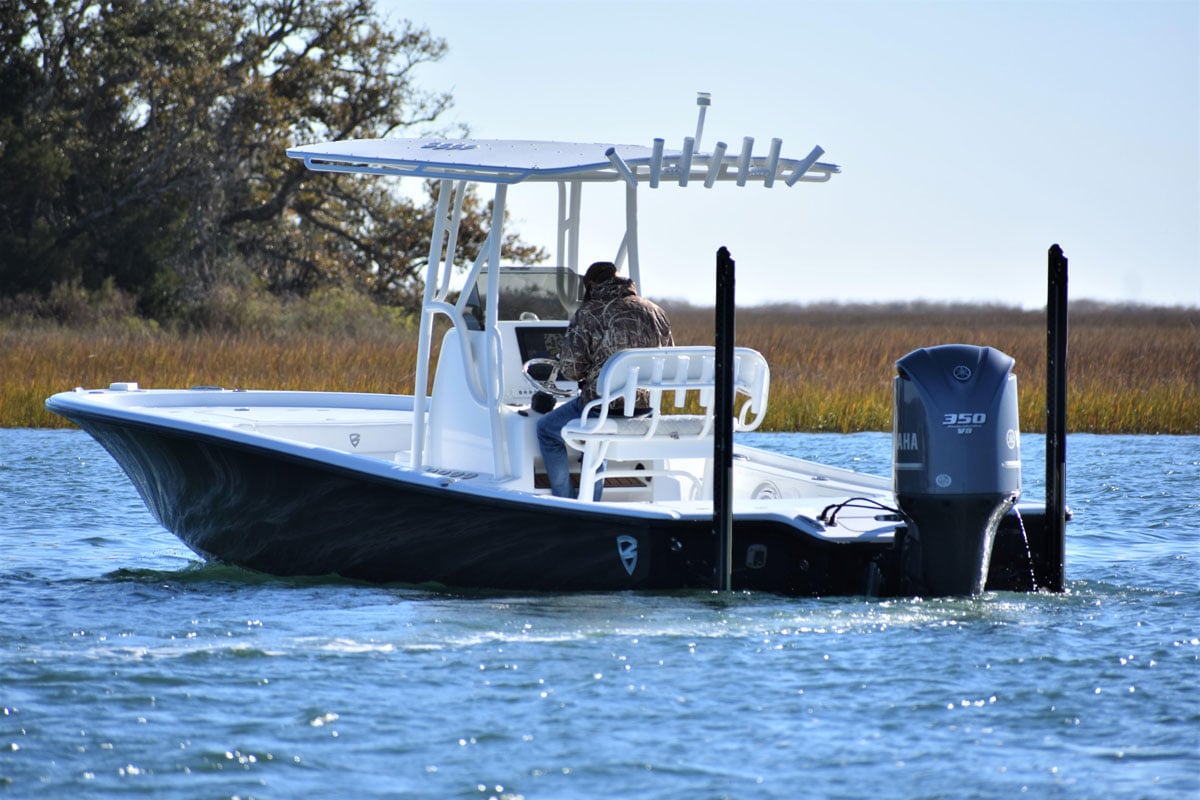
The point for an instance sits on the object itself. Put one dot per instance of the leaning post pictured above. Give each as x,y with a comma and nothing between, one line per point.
723,425
1056,418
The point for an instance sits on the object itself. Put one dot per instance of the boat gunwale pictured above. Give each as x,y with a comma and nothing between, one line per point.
80,406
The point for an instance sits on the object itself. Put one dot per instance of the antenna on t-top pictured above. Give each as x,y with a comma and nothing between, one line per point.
704,100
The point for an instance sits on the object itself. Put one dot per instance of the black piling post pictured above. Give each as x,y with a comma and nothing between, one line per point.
723,422
1056,419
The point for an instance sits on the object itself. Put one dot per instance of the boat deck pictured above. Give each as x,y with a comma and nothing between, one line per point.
768,486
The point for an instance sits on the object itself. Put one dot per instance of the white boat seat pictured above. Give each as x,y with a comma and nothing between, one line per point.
679,381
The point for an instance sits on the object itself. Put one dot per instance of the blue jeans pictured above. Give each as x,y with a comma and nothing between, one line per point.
554,449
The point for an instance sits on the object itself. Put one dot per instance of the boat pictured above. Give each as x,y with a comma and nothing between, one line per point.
445,486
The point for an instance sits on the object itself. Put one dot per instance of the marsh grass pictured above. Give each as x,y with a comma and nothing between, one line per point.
1130,370
37,363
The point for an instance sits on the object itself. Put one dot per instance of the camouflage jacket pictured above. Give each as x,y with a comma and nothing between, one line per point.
611,318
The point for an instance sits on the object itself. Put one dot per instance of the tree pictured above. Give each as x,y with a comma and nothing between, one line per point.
143,142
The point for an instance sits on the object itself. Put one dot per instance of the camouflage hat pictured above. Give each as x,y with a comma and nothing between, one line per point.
600,272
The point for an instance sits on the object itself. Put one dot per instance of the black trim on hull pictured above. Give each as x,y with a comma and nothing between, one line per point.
286,515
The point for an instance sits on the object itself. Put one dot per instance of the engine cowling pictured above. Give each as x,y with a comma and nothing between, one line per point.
956,461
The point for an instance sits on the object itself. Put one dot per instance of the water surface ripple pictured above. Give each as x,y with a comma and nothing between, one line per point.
128,668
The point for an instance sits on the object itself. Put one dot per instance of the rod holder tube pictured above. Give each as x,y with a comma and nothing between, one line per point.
773,162
743,164
685,160
804,165
656,159
714,165
622,168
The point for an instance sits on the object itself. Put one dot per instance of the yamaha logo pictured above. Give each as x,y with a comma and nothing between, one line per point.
962,373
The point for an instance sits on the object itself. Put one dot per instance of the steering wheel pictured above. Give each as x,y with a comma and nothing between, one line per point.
542,374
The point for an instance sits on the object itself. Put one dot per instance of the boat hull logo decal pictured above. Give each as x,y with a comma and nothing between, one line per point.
355,439
627,549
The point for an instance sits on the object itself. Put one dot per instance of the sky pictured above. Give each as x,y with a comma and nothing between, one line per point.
971,135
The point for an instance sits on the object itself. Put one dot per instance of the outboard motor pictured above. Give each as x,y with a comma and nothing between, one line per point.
957,462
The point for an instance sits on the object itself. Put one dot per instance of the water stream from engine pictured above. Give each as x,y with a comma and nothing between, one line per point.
1028,553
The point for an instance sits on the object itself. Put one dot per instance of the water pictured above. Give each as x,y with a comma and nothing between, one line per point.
128,668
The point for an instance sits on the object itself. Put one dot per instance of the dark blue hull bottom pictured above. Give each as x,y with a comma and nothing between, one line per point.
284,515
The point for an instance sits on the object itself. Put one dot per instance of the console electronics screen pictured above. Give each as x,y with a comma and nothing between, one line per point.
542,341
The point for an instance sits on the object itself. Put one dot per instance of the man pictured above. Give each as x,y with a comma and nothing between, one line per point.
612,318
